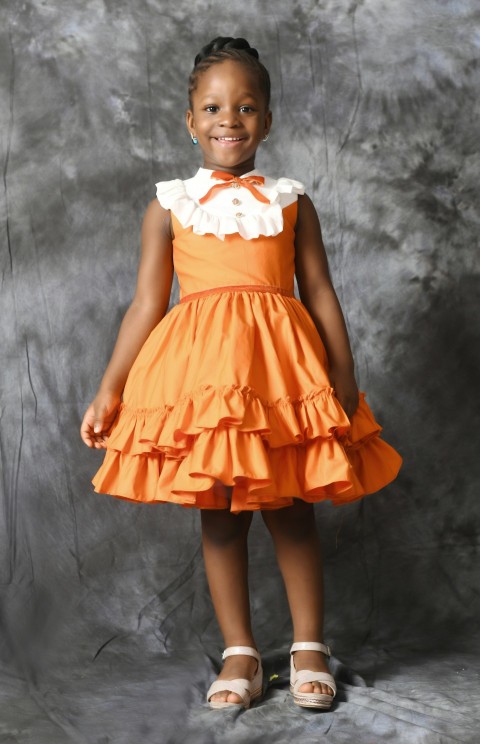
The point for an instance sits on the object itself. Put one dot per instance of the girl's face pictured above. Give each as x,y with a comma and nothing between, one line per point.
229,117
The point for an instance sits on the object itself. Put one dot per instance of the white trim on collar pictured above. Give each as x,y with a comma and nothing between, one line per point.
229,212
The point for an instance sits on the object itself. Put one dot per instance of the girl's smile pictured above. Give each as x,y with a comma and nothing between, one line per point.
229,117
229,140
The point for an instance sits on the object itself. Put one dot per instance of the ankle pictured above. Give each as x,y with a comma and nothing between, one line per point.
310,648
239,641
308,637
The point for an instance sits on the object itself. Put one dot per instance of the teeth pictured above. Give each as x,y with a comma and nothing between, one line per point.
230,139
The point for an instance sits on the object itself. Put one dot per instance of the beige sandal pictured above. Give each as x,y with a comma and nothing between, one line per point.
248,690
310,699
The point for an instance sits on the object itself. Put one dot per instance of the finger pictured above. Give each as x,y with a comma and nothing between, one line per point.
86,439
85,433
102,423
97,440
98,426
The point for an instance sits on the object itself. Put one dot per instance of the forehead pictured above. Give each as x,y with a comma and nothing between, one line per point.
226,77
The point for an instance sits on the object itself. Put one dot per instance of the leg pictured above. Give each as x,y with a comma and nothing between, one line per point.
224,537
298,551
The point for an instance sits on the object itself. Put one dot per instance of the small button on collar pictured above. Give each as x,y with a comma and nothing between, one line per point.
235,201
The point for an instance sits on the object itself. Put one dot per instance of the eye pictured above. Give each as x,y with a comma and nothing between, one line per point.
246,109
211,109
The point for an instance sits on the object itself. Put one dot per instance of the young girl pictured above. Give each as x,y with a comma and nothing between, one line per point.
242,397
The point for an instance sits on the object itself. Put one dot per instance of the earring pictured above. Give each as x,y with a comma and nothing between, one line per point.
266,137
194,140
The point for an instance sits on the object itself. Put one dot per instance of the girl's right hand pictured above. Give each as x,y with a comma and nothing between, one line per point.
98,419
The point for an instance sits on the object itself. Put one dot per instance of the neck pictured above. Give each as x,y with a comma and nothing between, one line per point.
235,170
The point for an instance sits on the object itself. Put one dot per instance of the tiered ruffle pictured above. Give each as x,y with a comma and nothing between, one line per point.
270,452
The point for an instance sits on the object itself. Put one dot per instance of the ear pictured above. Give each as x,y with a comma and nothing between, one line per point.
190,122
268,121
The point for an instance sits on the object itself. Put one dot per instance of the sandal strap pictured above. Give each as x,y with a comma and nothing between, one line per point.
240,686
241,651
311,646
305,675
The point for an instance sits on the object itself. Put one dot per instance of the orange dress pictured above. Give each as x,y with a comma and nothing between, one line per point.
232,385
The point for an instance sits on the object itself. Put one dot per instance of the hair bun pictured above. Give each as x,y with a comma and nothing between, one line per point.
225,42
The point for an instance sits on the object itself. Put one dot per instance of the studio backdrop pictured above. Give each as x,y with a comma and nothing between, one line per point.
107,628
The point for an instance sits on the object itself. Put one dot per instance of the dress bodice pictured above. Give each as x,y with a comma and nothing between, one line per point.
217,245
204,261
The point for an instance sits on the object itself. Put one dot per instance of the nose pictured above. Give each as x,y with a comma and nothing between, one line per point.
229,118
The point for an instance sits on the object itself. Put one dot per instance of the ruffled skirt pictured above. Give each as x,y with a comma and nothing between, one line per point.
232,386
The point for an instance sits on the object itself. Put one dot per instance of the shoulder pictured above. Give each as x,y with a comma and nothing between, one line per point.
308,231
307,213
157,219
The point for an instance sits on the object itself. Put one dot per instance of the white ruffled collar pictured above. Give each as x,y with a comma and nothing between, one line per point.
223,215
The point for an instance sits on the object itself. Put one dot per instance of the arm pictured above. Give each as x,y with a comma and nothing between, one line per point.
318,295
148,307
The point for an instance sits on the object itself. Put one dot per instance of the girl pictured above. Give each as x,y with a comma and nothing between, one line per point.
242,397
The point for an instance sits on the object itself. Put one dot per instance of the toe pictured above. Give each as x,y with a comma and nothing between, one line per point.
234,698
306,687
226,697
219,697
316,687
320,688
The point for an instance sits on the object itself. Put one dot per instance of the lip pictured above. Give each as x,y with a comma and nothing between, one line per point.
229,142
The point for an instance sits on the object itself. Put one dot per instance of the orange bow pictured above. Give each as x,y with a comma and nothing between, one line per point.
229,179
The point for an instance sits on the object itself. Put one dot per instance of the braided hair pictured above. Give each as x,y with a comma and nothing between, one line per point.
227,48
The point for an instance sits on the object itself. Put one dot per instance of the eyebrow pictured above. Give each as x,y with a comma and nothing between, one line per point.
242,95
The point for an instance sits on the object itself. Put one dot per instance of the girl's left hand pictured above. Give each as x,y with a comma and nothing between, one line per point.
346,390
98,419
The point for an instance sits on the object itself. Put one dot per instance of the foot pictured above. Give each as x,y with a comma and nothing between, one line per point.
235,667
315,661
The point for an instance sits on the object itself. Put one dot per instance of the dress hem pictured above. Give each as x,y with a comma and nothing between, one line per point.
304,446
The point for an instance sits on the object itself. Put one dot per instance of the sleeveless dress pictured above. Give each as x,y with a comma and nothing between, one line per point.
232,385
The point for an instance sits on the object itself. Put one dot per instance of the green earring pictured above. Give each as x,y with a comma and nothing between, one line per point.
194,140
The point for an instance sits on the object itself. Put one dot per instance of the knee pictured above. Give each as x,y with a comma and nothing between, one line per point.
221,527
295,523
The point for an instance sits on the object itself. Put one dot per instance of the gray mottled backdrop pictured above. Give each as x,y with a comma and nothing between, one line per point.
107,631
